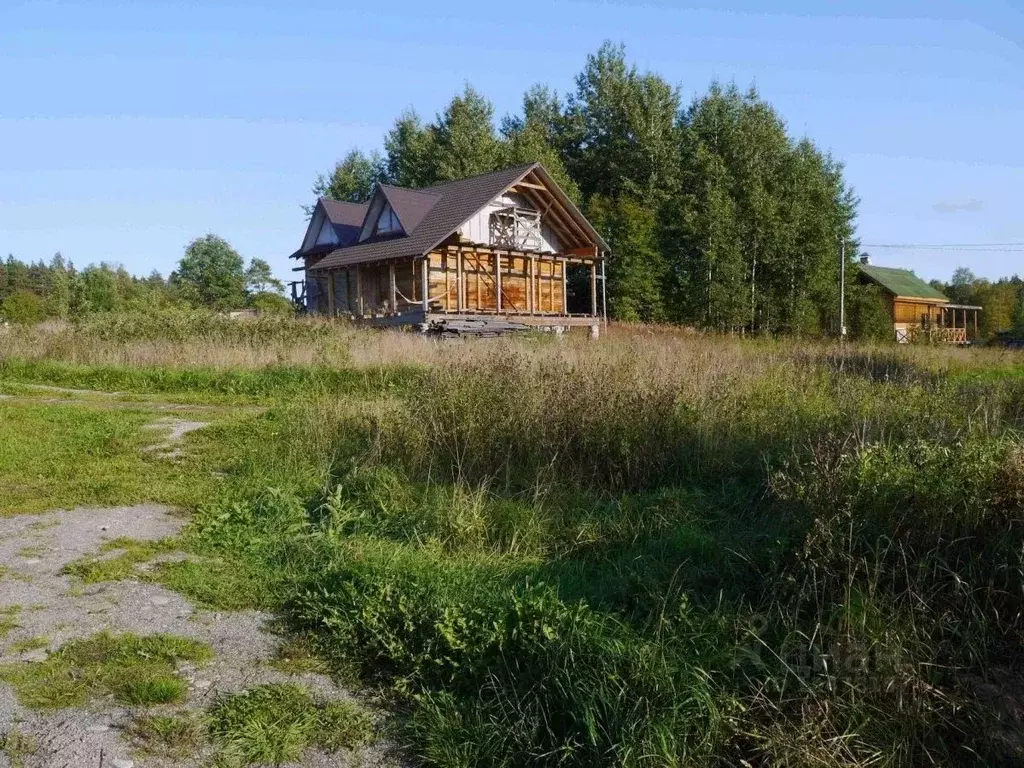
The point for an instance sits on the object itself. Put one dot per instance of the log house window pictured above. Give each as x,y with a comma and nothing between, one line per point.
387,223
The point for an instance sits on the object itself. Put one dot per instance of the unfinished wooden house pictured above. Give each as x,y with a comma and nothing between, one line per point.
920,311
507,245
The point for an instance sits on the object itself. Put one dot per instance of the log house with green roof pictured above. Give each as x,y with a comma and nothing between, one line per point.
919,310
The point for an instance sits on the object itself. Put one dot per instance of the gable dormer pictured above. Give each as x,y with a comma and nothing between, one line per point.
373,213
316,229
334,224
387,222
395,211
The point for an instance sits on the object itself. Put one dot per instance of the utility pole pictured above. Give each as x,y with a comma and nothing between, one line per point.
842,290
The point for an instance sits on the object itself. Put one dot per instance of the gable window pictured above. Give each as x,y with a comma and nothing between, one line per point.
327,234
387,223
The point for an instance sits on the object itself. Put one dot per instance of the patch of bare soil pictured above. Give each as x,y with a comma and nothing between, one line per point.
176,429
55,609
108,401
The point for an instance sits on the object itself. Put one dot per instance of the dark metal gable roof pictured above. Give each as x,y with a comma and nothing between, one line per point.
346,218
439,211
343,212
409,205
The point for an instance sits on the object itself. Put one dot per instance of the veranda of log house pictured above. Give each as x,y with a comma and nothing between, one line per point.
949,324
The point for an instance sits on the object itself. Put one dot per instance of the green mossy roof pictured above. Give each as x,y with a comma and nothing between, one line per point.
902,282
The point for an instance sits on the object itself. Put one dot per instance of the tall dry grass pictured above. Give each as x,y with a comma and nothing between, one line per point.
218,347
834,534
658,549
196,339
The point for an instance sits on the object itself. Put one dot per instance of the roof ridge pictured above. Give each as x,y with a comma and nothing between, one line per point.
892,269
508,169
422,190
343,202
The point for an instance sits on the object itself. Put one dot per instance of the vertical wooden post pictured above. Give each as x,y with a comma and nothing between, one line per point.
551,287
497,281
593,288
565,289
531,299
975,325
330,294
447,287
425,283
460,288
394,289
359,290
552,274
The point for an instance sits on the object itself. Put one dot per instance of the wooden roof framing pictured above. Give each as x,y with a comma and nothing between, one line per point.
536,191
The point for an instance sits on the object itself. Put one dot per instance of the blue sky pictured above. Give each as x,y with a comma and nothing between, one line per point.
128,128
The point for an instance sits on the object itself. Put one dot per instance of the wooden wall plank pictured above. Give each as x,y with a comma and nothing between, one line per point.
466,280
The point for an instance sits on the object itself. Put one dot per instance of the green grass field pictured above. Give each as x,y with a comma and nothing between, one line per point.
654,550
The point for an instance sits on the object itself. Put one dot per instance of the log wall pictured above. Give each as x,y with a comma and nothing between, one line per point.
479,270
913,312
530,284
373,282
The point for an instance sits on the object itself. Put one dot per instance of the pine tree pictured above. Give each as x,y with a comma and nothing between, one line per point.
618,134
58,301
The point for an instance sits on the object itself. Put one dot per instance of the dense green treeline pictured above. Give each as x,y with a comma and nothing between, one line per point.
210,274
715,214
30,292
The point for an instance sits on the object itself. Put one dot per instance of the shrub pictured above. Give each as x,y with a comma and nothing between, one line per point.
272,304
23,308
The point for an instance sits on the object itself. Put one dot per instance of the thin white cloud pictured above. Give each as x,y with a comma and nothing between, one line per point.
957,206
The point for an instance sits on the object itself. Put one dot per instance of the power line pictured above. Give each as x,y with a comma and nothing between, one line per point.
964,247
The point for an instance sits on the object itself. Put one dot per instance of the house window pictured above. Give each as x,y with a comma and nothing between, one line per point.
388,223
327,234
